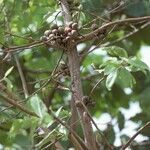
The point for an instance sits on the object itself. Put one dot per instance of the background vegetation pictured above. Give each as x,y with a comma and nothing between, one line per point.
35,80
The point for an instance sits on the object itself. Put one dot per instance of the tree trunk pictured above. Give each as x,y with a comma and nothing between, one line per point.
76,85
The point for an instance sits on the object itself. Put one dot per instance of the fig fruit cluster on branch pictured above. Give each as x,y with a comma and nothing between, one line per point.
60,36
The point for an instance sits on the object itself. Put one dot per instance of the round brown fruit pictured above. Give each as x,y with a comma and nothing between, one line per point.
94,26
68,38
51,36
74,33
43,38
47,32
70,24
53,42
67,29
54,31
75,26
58,40
64,40
69,34
61,30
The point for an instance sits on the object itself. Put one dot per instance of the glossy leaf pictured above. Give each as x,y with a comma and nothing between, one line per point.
24,23
116,51
37,106
125,78
121,120
134,62
111,78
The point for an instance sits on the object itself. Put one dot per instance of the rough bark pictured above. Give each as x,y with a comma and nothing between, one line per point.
76,85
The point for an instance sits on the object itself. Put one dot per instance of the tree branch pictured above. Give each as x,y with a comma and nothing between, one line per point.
91,35
77,94
14,103
126,36
23,47
135,135
10,40
22,77
75,135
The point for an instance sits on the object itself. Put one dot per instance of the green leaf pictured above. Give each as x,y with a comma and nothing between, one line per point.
110,134
124,138
142,116
16,127
23,141
57,113
144,101
92,6
109,68
140,65
61,113
39,63
116,51
37,86
9,83
110,80
8,71
138,9
121,120
4,139
125,78
20,126
38,106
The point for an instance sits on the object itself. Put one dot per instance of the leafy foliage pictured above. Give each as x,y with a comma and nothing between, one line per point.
23,22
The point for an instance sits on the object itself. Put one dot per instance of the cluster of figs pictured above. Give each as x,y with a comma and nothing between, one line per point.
59,35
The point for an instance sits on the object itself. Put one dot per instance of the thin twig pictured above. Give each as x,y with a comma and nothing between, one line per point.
22,77
91,35
101,40
118,40
14,103
135,135
87,111
24,85
126,36
52,74
10,119
95,86
19,36
54,142
70,130
44,84
23,47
